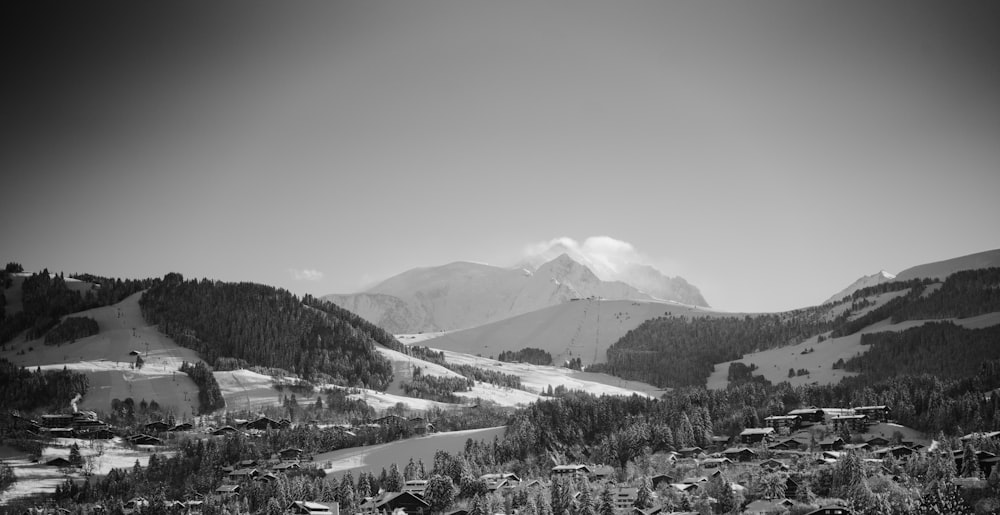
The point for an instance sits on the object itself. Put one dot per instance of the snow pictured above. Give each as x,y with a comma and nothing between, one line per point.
942,269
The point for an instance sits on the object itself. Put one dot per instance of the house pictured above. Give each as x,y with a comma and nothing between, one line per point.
899,451
512,478
877,441
752,435
656,510
157,427
420,425
144,440
185,426
711,463
58,420
684,487
659,479
774,465
312,508
784,422
291,453
243,474
266,478
690,452
285,467
389,502
831,510
625,497
857,447
720,442
832,443
391,421
224,430
874,413
263,424
858,423
791,488
769,507
992,435
247,463
599,472
415,486
228,490
811,414
786,444
739,453
570,470
58,462
496,484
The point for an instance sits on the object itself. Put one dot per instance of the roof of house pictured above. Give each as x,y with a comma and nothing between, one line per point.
757,431
805,411
227,489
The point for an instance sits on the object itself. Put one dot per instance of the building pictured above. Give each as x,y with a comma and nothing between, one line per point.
415,486
833,443
857,423
874,413
228,490
811,414
739,454
752,435
787,423
290,453
625,497
570,470
389,502
831,510
263,423
312,508
157,427
711,463
690,452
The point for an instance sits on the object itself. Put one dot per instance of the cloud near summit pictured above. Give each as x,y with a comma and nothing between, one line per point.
605,255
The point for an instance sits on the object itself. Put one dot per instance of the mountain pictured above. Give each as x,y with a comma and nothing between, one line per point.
942,269
461,295
643,277
864,282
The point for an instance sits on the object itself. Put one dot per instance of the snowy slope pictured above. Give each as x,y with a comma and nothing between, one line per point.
582,329
942,269
862,283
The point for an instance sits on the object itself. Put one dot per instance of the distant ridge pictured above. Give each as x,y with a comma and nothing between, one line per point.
942,269
862,283
461,295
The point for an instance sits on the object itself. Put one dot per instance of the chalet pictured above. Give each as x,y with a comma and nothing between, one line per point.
142,439
711,463
512,478
659,479
853,422
228,490
720,442
791,487
832,443
391,421
247,463
243,474
58,462
291,453
874,413
266,478
690,452
656,510
311,508
224,430
831,510
786,444
57,420
284,422
694,480
157,427
768,507
415,486
185,426
420,425
494,485
833,455
570,470
784,422
739,454
285,467
857,447
774,465
752,435
899,451
877,441
599,472
684,487
625,497
457,512
389,502
263,424
811,414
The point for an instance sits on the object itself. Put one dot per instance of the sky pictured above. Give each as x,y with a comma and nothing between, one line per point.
769,152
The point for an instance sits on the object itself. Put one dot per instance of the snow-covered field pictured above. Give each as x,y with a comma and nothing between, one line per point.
773,364
103,455
105,359
375,457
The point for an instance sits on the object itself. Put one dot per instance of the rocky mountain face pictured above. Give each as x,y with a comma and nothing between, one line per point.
461,295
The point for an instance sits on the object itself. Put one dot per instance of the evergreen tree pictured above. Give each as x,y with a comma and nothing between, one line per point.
394,482
440,492
75,458
585,502
607,506
644,497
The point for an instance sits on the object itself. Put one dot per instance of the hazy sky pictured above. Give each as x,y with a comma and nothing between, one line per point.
768,152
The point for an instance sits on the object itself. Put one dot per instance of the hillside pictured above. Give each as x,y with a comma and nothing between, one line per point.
939,270
864,282
105,359
463,295
582,329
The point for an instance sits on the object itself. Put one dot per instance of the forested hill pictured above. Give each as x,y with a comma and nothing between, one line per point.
270,327
679,351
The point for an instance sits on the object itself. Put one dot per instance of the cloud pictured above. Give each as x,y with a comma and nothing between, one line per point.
305,274
604,255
